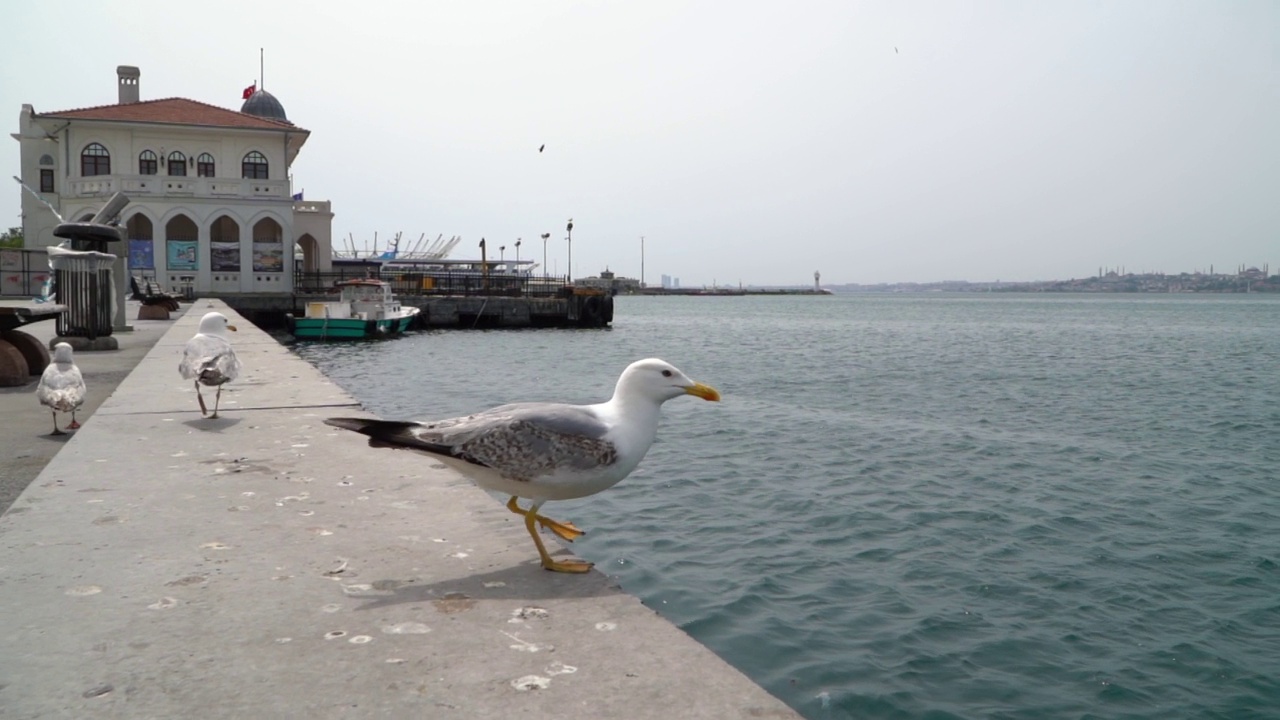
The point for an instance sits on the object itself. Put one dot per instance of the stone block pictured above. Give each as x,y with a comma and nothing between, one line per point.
32,349
153,312
13,366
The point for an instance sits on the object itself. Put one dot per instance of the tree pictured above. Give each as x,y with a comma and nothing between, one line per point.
12,238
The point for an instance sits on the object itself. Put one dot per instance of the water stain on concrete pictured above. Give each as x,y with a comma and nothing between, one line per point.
406,628
98,691
453,602
186,581
531,682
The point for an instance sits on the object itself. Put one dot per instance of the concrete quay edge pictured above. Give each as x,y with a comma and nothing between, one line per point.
267,565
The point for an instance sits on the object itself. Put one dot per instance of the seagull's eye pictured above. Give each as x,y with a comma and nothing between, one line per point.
666,373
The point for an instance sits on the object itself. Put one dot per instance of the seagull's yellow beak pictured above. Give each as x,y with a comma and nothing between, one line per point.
706,392
232,328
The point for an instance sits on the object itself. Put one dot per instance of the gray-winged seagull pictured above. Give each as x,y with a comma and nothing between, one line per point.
547,451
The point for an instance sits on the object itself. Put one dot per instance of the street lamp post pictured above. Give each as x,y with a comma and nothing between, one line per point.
502,253
518,249
545,237
569,240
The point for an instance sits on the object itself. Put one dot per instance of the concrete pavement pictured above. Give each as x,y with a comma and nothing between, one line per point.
266,565
25,424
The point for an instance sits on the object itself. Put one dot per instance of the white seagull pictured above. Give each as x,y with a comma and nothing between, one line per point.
208,358
61,387
547,451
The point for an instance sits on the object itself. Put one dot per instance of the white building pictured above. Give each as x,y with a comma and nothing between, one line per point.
212,207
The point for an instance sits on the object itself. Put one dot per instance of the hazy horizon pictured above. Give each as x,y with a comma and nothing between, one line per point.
752,143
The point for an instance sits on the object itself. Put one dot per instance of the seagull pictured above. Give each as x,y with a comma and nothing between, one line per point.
541,146
61,387
547,451
208,358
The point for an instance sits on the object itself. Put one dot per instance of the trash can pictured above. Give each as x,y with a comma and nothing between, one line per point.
83,284
82,273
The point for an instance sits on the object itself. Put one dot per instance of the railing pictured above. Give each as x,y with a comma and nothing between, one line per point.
23,272
437,282
177,185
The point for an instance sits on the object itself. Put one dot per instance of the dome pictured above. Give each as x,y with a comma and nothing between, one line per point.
264,105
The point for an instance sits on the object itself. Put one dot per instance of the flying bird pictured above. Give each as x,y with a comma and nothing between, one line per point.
547,451
208,358
540,147
61,387
895,50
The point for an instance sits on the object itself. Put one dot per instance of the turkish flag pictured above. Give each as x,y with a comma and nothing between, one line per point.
249,91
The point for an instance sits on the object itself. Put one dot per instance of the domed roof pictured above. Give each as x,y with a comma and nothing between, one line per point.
264,105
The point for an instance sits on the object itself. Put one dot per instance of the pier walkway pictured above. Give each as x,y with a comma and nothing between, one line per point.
164,565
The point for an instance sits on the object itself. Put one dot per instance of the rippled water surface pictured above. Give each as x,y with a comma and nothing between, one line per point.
977,506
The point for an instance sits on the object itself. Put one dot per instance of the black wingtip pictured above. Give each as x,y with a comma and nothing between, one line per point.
350,423
370,426
388,433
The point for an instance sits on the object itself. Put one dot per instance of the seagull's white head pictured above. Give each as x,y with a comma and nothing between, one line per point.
215,323
62,354
660,381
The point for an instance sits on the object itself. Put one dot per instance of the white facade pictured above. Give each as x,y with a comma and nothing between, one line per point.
218,234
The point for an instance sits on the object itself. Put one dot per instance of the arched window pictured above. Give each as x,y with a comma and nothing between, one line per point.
204,165
177,163
148,163
95,160
254,166
46,173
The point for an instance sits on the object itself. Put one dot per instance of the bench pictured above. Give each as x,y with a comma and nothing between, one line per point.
156,303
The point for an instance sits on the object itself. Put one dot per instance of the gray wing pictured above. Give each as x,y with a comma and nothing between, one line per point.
574,420
209,359
521,441
527,440
61,389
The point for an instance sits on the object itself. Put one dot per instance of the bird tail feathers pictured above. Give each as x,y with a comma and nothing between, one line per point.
389,433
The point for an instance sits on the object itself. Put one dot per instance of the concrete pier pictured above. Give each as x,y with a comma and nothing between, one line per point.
266,565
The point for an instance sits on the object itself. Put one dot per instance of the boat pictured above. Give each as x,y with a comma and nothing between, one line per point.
365,309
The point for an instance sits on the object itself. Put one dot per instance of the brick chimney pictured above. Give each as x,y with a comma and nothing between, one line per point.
128,82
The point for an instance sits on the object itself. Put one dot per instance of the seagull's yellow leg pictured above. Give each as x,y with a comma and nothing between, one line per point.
566,566
565,530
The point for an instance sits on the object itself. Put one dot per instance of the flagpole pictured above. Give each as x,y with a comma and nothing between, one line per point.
262,64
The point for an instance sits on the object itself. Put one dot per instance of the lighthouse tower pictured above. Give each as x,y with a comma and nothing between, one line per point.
816,276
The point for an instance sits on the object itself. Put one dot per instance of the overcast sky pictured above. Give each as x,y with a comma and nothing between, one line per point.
746,141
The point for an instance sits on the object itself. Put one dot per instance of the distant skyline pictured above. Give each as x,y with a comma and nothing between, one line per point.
747,142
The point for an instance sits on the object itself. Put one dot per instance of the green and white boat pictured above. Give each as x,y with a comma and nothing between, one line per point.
365,309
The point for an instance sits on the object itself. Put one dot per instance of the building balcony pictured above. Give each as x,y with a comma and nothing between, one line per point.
144,186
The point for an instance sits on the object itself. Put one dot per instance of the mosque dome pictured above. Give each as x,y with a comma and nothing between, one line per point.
264,105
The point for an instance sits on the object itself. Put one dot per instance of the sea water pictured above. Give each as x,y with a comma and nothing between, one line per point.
928,506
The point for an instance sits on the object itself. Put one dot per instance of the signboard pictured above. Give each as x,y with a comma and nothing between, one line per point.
182,255
268,257
142,255
225,256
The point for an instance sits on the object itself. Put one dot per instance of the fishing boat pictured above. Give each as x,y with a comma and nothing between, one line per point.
365,309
